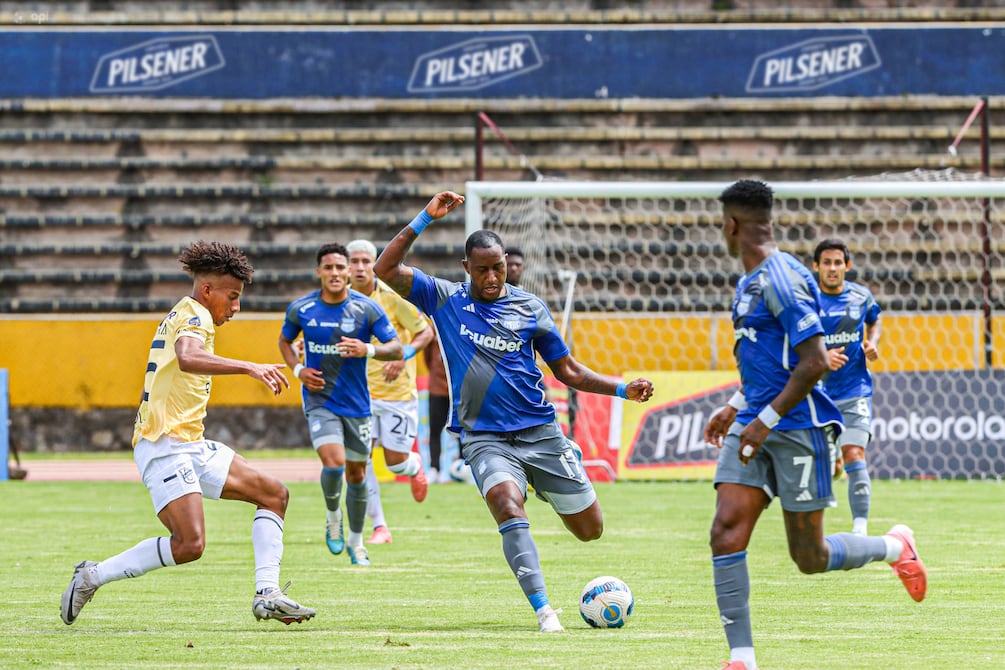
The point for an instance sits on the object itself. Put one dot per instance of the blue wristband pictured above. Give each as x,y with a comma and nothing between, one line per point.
620,391
419,223
409,352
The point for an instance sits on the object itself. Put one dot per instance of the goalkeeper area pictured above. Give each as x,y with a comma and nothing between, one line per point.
641,278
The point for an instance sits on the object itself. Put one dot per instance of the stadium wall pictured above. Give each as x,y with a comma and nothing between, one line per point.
612,61
87,362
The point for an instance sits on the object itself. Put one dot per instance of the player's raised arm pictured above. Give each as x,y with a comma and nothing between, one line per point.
389,266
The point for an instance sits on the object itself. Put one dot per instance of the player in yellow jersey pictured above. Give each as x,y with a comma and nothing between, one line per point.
178,465
394,400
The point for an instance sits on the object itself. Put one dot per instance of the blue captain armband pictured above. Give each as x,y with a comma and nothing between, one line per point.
419,223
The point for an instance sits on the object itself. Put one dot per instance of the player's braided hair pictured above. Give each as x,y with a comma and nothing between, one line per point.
217,258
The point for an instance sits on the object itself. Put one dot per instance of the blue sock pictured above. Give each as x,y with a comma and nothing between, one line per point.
521,554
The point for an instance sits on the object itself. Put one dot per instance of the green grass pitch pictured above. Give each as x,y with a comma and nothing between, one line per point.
442,596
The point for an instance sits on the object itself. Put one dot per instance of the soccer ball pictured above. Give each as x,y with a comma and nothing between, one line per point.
461,472
606,602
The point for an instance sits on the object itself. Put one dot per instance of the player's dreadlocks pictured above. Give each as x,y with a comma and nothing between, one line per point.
218,258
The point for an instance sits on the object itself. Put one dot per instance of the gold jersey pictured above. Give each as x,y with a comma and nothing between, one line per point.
174,402
407,321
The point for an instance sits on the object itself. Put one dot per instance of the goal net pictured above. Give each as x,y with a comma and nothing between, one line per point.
651,288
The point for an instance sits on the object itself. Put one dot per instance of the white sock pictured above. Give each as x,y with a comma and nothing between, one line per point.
332,515
374,505
267,539
408,467
894,548
354,539
860,526
150,554
745,654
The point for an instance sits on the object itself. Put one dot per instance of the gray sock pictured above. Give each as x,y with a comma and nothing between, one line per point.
848,551
521,554
331,486
859,489
355,505
732,594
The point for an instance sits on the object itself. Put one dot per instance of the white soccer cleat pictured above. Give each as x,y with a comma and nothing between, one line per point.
273,603
82,586
547,618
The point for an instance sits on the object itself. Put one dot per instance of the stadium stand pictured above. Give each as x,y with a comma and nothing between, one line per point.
120,185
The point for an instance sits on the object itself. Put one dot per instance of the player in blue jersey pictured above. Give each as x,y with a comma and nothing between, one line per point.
774,435
489,332
850,317
338,324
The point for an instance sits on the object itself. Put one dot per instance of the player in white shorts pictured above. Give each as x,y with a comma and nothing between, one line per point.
177,464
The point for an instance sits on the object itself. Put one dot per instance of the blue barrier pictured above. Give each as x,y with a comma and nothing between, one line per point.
673,62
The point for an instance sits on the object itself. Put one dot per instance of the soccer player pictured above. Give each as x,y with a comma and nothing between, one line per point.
178,465
774,435
850,318
514,265
489,332
338,324
394,399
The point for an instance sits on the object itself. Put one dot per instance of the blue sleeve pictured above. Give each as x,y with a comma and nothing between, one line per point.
551,346
872,311
423,294
291,325
789,298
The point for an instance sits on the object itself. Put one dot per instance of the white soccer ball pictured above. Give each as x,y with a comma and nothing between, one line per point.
461,472
606,602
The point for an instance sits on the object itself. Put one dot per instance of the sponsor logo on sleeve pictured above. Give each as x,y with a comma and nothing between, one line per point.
157,64
813,64
474,64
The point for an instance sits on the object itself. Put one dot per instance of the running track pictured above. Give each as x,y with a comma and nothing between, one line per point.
124,470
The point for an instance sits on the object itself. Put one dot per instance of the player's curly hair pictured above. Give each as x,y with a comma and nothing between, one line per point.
216,258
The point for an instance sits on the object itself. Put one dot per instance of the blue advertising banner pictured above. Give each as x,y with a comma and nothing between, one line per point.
672,62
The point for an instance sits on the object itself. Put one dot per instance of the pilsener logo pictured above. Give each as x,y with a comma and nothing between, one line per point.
813,64
474,64
157,64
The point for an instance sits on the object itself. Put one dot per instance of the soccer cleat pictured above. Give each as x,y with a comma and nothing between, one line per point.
420,485
547,619
334,537
82,586
381,535
908,566
358,555
733,665
273,603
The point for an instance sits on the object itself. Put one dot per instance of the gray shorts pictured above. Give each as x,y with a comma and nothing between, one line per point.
857,414
540,456
351,432
794,465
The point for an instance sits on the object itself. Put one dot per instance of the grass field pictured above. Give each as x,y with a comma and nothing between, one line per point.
442,596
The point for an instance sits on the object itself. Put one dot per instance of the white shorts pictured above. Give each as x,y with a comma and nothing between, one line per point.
172,469
395,423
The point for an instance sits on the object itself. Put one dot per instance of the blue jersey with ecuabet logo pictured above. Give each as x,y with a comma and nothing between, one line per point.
844,317
488,350
777,307
346,392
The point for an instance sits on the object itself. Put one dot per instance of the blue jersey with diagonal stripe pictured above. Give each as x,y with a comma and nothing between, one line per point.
489,352
324,324
776,308
844,317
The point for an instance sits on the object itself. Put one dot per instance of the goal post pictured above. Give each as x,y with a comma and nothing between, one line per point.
654,284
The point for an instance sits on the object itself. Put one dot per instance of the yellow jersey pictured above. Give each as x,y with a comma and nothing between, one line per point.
174,402
407,321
